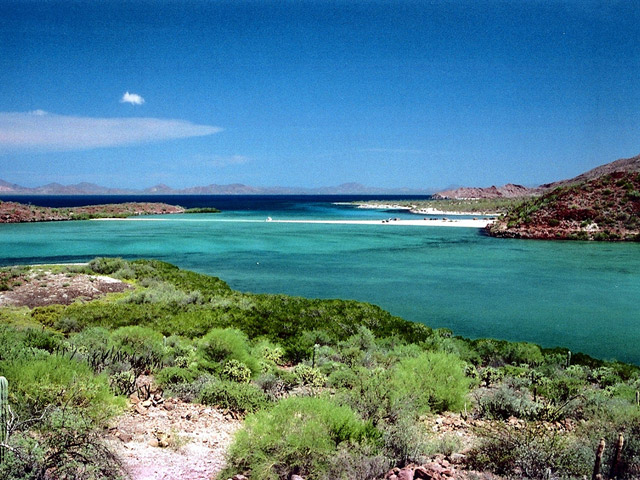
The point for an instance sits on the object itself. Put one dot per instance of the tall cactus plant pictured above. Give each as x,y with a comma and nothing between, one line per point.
4,414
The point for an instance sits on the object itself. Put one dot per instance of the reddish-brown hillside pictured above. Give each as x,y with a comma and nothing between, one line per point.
506,191
603,208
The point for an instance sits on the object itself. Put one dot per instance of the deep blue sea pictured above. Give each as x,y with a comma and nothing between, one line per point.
582,295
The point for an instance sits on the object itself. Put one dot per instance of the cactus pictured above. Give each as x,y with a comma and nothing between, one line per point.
4,414
596,467
617,457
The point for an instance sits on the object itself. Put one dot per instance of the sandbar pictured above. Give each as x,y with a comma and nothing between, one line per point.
436,222
426,222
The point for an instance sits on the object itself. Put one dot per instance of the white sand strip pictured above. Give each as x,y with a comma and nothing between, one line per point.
468,223
428,222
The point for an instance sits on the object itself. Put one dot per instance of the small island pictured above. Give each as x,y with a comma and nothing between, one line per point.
14,212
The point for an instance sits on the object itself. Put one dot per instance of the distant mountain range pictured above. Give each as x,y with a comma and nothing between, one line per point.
506,191
232,189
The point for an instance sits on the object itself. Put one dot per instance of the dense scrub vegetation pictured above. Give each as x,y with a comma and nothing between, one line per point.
331,389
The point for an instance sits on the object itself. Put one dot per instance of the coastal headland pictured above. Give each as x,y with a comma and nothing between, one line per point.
14,212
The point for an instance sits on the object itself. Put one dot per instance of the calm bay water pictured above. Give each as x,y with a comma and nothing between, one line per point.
581,295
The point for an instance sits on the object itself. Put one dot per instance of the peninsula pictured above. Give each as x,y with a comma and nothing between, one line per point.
13,212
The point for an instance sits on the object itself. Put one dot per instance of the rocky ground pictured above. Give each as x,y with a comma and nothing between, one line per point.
38,288
169,439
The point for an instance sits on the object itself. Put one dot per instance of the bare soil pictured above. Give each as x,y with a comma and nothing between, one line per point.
173,440
38,288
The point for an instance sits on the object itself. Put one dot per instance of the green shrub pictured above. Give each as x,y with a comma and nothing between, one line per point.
221,345
163,293
191,391
42,339
236,371
506,401
346,378
181,352
136,340
58,381
66,447
371,393
308,376
433,381
107,266
239,397
269,352
274,386
531,451
91,339
48,315
172,375
298,435
564,385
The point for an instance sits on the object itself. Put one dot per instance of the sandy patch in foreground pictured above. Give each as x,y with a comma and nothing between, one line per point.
175,440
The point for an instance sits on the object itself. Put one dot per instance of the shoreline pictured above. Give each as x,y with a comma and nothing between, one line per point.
426,222
420,211
433,222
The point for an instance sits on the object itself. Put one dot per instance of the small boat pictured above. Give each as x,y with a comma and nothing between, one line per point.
269,219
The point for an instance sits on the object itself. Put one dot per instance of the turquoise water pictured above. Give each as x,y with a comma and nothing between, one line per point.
584,296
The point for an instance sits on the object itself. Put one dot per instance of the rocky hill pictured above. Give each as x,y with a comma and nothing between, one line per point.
604,207
621,165
466,193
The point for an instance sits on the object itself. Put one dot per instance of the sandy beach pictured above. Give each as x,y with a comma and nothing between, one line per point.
419,211
466,223
427,222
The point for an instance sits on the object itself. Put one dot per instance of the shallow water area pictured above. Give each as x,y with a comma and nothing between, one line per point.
575,294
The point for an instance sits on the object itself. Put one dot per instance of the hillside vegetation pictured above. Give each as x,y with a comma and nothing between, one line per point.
603,208
330,389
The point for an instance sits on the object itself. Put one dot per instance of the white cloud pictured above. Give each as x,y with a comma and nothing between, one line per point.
44,131
132,98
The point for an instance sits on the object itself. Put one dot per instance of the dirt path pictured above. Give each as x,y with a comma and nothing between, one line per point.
173,440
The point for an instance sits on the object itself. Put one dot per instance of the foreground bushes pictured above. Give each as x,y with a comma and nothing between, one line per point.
56,381
239,397
66,446
432,381
334,389
297,436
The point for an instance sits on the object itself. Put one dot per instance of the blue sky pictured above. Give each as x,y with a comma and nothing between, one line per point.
420,94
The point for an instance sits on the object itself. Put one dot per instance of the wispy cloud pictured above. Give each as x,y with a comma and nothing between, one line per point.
221,161
43,131
132,98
